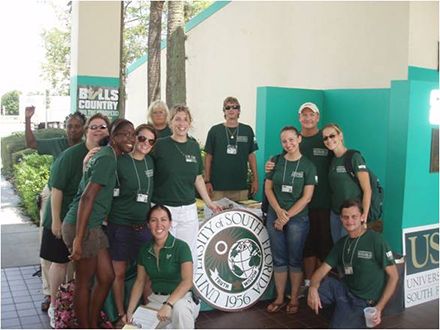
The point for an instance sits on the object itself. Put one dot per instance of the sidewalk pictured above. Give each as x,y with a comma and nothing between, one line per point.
20,242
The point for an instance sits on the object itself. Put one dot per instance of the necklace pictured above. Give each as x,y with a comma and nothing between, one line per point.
232,133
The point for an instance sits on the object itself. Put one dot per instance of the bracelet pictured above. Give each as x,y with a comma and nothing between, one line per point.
206,182
169,304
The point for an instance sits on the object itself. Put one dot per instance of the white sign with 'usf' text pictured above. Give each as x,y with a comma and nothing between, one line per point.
234,265
421,248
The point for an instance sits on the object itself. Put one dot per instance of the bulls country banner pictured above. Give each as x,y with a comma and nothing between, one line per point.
234,260
102,99
420,245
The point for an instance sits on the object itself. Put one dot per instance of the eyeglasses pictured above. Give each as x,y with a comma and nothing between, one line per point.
331,136
95,127
235,107
143,139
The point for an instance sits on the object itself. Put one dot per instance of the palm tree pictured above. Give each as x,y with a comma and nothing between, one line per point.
176,74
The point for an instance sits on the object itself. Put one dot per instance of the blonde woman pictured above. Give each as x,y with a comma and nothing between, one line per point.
341,184
158,114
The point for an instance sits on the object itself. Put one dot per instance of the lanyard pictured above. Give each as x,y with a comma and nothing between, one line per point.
227,136
343,250
137,175
116,160
187,147
293,175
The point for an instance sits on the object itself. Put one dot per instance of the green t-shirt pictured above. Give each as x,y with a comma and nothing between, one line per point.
314,149
176,168
166,274
369,258
164,132
229,167
132,173
65,175
296,175
101,169
341,184
52,147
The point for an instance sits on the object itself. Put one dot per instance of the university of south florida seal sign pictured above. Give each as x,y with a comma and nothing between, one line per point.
234,265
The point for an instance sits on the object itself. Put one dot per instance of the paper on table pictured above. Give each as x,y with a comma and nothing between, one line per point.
145,318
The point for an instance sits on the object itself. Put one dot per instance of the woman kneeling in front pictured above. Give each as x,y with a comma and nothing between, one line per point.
168,262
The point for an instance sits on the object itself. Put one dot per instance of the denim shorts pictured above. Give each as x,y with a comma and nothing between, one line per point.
125,241
338,230
287,245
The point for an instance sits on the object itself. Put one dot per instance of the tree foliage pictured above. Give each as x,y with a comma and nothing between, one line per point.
56,67
10,103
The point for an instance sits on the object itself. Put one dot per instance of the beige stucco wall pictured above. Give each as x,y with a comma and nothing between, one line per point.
95,49
317,45
424,34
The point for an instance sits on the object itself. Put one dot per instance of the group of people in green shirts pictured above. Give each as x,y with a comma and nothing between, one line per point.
306,186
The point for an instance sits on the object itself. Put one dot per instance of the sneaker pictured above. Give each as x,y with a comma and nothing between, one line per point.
51,314
303,291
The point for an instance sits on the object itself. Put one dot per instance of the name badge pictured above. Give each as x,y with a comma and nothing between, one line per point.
348,270
286,188
116,192
231,150
190,159
142,198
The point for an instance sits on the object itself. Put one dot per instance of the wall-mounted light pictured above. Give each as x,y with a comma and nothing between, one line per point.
434,111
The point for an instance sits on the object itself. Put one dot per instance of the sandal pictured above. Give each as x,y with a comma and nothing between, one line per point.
274,307
45,304
292,308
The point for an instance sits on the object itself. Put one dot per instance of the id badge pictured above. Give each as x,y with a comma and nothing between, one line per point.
116,192
190,159
142,198
286,188
348,270
231,150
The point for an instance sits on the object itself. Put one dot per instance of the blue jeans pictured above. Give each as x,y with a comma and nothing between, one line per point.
348,310
287,245
338,230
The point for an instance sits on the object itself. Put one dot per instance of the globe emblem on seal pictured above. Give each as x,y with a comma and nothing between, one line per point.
244,258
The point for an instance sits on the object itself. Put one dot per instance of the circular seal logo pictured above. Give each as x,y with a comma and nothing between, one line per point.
234,265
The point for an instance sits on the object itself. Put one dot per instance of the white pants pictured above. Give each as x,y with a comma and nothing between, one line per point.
185,311
185,226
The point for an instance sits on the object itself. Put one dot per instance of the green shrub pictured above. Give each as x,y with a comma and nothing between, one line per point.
15,142
18,156
31,175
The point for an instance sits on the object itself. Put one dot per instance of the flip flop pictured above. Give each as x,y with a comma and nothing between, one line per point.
292,308
274,307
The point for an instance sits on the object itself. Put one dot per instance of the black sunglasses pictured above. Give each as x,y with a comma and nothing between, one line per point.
142,139
95,127
331,136
235,107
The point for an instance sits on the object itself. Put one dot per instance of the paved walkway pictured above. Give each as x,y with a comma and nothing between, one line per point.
19,236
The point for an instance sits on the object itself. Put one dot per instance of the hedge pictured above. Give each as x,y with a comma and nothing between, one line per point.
14,143
31,175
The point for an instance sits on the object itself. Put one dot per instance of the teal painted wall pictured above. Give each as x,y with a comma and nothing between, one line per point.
421,205
362,115
391,128
396,163
276,108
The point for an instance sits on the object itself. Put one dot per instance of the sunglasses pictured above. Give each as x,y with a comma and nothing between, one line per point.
95,127
235,107
331,136
143,139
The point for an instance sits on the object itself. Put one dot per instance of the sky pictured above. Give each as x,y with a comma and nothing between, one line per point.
22,52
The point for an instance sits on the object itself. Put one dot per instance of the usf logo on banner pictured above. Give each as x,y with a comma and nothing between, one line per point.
234,265
421,248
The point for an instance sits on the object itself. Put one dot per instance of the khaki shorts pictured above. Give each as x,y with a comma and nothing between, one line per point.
233,195
94,239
